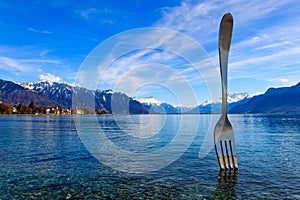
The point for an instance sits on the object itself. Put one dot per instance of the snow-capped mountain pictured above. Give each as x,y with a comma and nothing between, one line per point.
62,94
232,98
158,106
215,106
275,100
58,92
11,92
149,101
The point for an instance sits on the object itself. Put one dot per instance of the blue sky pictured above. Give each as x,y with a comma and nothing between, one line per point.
49,40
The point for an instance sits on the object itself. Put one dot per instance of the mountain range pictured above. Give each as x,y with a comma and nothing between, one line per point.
274,100
157,106
206,107
60,94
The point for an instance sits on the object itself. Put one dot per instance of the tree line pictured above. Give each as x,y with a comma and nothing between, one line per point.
31,109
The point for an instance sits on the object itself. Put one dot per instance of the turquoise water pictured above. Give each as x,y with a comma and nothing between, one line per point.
45,157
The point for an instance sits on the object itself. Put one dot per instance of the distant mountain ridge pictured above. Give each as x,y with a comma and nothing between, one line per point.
60,94
215,106
274,100
157,106
232,98
11,92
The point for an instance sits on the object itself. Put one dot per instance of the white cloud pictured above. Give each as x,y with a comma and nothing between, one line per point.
158,46
279,56
23,65
266,36
49,77
44,53
87,13
274,45
253,22
284,82
96,14
10,63
281,80
203,17
38,31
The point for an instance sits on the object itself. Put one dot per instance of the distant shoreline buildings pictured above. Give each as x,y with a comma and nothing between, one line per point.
31,109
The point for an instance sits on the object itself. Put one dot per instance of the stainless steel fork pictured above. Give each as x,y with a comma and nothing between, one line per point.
223,134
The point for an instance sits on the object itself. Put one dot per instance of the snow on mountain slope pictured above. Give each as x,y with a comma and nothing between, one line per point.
149,100
232,98
61,94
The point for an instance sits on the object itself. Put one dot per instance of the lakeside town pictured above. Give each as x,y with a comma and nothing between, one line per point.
31,109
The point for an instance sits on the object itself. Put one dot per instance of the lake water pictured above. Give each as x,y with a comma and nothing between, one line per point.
45,157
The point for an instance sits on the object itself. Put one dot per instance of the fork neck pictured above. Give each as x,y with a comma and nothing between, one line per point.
223,69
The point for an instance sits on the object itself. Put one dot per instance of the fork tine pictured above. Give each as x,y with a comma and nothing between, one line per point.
235,162
229,153
220,158
219,154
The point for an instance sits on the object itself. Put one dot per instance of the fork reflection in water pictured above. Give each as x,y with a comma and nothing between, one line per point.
226,189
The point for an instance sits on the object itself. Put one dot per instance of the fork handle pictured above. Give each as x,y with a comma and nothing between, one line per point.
224,46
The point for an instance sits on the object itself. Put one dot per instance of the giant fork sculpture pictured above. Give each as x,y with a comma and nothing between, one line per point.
223,134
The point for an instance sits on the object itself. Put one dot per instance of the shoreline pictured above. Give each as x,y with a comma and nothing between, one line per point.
51,115
232,114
